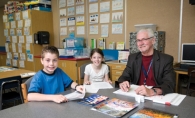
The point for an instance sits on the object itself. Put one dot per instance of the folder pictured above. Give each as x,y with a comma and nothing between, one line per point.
93,43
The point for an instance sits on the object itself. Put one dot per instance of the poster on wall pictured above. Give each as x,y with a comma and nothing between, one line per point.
105,18
71,21
62,22
80,30
79,2
104,30
63,31
104,6
62,3
62,12
93,8
117,28
93,29
80,9
93,19
71,11
80,20
117,5
70,2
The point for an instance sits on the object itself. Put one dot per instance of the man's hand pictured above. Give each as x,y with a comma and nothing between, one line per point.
142,90
124,86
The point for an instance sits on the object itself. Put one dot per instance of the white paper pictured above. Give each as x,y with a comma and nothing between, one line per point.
117,28
13,47
8,39
27,23
62,22
131,91
26,31
5,18
79,2
93,19
7,47
22,56
17,16
21,64
62,3
19,31
80,9
62,12
63,31
14,39
16,56
90,89
71,11
75,96
71,21
8,62
19,47
104,18
9,55
101,85
93,29
7,25
25,14
80,20
70,2
30,57
15,63
20,23
117,5
104,30
117,17
29,39
5,32
12,32
80,30
21,39
13,24
93,8
104,6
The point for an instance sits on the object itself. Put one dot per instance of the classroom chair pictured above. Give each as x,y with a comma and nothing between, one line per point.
25,87
191,81
81,73
8,95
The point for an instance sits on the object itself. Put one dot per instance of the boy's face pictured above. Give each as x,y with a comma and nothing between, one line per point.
50,62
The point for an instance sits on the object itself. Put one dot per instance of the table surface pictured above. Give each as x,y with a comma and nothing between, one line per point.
13,73
72,109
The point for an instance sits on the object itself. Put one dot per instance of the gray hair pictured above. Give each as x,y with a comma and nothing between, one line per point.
148,30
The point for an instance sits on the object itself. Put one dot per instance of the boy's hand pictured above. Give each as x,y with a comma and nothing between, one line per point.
80,89
87,83
59,98
109,81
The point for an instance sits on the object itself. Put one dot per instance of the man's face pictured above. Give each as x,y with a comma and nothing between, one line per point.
145,43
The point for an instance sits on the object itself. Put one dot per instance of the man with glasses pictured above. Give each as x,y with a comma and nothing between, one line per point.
148,67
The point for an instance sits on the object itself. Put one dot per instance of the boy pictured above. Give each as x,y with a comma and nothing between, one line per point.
51,80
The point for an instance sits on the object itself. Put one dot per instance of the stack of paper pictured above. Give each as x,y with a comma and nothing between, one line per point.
23,75
95,86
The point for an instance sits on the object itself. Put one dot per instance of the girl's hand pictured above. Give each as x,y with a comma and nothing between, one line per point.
87,82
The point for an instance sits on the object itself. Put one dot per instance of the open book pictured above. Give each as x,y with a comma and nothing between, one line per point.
169,99
151,113
115,107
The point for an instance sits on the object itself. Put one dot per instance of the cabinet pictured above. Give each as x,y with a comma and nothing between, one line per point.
2,59
116,69
19,35
70,67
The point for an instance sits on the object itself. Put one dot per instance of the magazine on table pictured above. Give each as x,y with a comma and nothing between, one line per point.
93,100
151,113
115,107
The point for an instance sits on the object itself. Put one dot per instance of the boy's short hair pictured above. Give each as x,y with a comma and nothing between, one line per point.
49,49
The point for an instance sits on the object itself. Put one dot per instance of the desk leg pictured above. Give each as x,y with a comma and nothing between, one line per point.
176,86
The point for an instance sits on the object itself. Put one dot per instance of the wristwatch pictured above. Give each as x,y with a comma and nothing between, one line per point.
155,92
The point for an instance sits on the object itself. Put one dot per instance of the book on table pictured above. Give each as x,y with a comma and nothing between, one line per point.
93,100
115,107
151,113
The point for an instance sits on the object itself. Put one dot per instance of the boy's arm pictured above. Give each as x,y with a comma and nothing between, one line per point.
77,87
44,97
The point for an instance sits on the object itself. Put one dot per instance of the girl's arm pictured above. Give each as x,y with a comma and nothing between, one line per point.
86,79
107,79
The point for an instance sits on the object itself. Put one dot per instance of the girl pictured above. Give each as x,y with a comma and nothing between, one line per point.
97,71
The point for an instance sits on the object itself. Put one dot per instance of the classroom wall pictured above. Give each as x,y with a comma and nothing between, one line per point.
164,13
2,38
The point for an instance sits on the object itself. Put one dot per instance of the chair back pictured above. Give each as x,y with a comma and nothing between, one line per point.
9,85
25,87
191,81
81,73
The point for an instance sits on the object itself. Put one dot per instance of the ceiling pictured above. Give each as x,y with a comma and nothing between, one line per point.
3,2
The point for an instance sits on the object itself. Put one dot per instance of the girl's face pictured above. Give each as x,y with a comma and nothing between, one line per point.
96,59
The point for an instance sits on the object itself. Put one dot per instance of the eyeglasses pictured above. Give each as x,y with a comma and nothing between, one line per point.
144,39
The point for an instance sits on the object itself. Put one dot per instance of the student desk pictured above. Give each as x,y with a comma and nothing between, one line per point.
13,74
74,110
178,72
